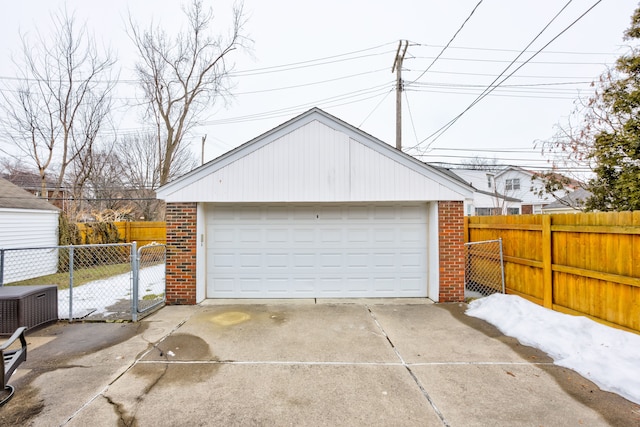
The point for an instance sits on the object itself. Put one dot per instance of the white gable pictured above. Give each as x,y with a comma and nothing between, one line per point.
314,158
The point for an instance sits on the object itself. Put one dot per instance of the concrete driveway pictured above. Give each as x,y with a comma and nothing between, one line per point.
276,363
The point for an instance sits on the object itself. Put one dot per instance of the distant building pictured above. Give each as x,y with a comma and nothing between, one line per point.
571,203
489,197
510,190
32,183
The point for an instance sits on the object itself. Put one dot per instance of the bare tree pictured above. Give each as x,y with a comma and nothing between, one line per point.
183,76
570,150
482,163
62,98
140,165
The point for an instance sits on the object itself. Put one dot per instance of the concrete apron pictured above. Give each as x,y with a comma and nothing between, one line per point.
344,362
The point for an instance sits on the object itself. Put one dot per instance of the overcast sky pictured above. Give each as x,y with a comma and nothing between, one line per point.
337,55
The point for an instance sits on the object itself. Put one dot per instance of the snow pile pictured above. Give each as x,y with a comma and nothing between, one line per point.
609,357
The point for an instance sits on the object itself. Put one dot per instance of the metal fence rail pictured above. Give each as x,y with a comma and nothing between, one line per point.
484,269
95,282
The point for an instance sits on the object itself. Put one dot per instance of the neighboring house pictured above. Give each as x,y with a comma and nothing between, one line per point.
32,182
315,208
522,184
571,203
26,222
489,197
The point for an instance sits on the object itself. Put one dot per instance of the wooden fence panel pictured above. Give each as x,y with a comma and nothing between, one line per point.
142,232
585,264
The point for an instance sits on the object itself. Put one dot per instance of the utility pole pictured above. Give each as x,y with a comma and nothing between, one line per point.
397,67
204,138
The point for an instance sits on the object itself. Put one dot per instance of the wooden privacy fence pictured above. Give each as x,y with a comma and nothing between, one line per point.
143,232
582,264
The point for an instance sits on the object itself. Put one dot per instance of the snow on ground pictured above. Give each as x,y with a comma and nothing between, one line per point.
98,295
607,356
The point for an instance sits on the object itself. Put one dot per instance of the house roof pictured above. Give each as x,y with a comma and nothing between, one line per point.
478,177
28,180
574,200
14,197
338,146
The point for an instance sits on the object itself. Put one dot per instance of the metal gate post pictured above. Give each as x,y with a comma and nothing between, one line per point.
70,284
502,265
135,270
1,267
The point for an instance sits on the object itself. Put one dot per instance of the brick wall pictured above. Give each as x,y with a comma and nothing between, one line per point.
451,246
181,253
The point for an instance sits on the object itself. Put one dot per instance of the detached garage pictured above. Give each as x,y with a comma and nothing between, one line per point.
315,208
26,222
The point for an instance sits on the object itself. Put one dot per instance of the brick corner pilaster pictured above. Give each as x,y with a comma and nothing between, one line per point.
451,249
181,221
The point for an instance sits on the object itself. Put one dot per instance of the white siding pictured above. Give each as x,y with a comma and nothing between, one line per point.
315,163
23,228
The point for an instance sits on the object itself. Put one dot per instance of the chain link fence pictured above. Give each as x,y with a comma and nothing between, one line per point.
105,282
484,269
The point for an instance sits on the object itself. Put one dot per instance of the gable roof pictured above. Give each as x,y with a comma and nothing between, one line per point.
342,155
14,197
573,200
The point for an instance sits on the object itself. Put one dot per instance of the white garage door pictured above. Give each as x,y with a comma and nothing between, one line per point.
316,251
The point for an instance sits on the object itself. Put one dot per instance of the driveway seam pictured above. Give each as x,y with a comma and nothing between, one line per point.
408,368
128,368
329,363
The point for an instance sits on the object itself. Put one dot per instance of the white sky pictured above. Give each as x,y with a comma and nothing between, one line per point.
291,32
607,356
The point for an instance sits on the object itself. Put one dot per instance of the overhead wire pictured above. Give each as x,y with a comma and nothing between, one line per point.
451,122
376,107
492,87
449,42
413,125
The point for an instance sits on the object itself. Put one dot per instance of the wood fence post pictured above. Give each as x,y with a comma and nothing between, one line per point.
547,262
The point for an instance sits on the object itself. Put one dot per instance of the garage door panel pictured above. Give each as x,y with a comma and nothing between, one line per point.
291,251
411,284
384,212
330,260
223,261
277,260
414,260
278,235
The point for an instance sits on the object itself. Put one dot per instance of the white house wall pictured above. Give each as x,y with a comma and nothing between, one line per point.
314,163
26,228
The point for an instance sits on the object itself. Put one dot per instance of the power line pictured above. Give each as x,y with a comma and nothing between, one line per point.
551,52
376,107
449,42
491,87
413,125
504,60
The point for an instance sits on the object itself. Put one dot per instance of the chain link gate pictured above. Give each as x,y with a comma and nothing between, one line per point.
484,269
101,282
149,284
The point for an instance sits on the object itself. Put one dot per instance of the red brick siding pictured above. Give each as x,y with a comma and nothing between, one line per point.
451,247
181,253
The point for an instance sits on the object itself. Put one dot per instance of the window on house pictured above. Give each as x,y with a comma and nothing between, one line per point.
513,211
489,180
512,184
487,211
